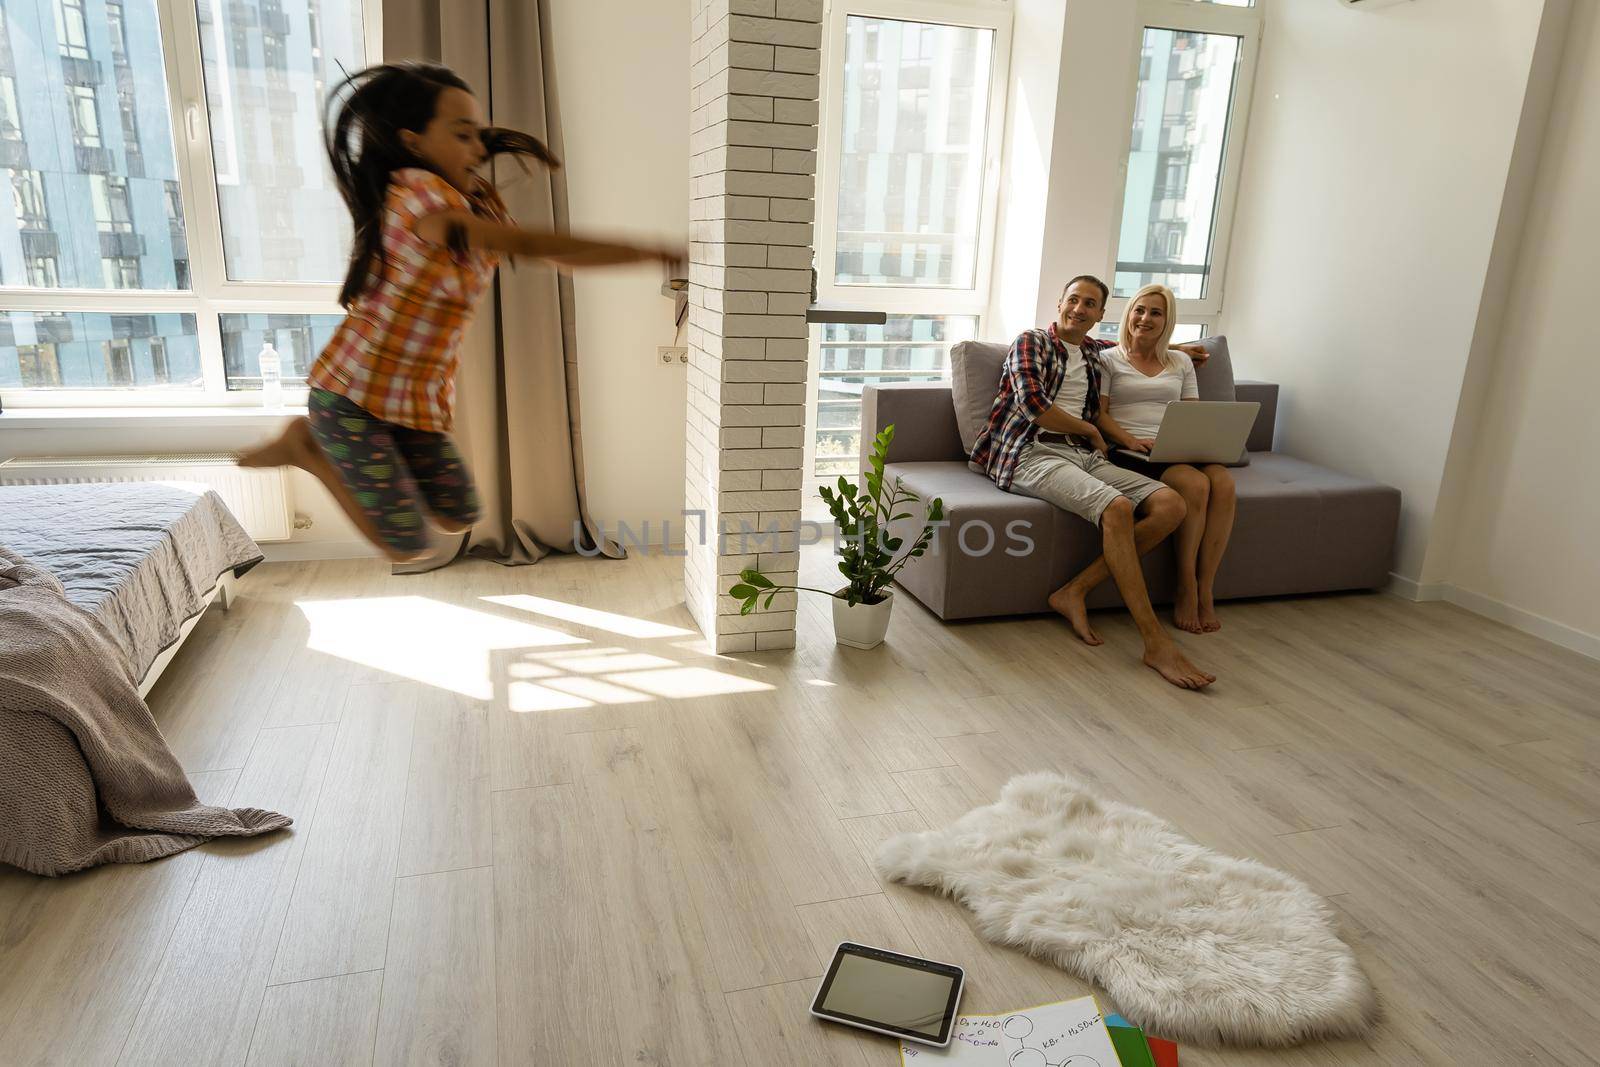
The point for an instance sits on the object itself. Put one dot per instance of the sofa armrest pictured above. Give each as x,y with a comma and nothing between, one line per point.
1265,394
924,419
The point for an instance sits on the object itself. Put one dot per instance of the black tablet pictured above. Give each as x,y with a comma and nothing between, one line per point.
891,993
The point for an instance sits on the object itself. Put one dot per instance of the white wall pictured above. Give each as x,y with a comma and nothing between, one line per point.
622,79
1094,102
1526,528
1026,166
1378,159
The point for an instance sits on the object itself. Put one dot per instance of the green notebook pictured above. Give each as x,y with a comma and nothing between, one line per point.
1130,1045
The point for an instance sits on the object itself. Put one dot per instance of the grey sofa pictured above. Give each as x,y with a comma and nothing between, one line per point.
1301,528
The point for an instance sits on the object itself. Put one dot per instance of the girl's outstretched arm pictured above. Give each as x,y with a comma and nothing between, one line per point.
451,227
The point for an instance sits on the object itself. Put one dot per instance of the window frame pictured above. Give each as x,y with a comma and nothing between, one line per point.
211,293
1198,16
951,301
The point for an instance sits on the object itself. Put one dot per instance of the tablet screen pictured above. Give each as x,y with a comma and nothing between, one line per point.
877,988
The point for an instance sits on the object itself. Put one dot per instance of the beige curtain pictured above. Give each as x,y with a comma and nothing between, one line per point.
517,410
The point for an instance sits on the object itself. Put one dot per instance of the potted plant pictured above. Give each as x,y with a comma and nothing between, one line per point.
869,556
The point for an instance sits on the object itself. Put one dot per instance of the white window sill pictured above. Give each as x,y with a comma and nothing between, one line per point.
134,418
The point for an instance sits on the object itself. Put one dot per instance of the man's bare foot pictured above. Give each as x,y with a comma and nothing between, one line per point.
1169,661
1068,603
1186,610
1208,615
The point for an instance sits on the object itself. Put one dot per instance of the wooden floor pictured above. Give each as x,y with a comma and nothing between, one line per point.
536,823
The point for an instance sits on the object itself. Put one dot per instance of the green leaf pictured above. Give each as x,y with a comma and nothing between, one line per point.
742,591
757,579
747,607
770,598
893,545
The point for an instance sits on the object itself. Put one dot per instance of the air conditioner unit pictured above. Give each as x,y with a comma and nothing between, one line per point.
1371,5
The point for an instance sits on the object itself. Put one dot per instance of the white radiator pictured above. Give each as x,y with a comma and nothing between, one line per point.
259,499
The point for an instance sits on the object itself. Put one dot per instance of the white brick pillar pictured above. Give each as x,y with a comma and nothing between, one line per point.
753,163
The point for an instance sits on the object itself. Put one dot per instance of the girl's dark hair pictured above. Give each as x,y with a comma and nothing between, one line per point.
366,113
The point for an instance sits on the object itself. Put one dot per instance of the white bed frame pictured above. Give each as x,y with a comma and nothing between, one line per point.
222,595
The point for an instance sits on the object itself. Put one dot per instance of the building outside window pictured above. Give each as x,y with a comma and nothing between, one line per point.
914,108
1191,104
100,264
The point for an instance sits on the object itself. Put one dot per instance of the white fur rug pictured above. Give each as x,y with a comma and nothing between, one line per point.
1193,945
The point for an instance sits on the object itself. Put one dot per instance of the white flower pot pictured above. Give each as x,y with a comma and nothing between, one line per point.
863,625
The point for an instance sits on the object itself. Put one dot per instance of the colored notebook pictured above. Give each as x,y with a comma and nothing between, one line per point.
1135,1047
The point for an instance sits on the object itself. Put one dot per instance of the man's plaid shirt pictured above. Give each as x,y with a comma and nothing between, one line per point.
1030,378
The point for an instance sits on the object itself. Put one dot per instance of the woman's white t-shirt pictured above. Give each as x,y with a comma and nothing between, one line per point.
1137,400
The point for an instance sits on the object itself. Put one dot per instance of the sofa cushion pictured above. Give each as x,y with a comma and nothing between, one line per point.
1215,375
1301,528
974,383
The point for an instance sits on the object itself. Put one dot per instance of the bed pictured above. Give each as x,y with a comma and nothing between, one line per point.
145,558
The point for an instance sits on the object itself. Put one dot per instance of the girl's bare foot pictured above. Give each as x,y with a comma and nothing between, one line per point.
1169,661
280,452
1208,614
1068,603
1186,610
296,447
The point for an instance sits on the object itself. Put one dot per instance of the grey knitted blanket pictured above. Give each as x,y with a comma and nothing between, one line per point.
85,775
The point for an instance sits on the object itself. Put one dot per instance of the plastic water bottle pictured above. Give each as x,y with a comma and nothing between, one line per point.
271,377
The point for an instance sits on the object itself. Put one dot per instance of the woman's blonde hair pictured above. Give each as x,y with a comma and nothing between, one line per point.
1164,343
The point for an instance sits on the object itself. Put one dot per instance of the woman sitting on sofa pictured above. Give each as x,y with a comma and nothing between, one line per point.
1142,375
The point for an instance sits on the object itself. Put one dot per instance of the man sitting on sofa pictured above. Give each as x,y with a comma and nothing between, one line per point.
1041,441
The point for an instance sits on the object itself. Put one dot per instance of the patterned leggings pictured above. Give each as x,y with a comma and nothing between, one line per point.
393,471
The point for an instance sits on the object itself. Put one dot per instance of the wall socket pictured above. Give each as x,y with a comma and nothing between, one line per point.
668,356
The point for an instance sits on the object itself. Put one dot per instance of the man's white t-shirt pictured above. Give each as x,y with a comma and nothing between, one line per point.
1137,400
1074,384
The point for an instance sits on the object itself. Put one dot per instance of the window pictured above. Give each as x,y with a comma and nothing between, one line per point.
111,212
1187,129
148,253
27,189
85,117
42,272
38,366
117,34
296,338
122,272
908,348
1182,333
914,106
252,95
72,29
87,351
10,114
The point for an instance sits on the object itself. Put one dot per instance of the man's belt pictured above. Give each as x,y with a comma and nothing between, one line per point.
1050,437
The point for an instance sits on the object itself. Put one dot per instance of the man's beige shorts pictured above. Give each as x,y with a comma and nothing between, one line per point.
1079,480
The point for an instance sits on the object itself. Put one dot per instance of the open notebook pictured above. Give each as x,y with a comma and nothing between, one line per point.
1070,1033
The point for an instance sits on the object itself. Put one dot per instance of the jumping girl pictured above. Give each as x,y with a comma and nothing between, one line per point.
406,144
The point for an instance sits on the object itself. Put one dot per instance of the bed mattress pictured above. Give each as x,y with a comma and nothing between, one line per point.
143,557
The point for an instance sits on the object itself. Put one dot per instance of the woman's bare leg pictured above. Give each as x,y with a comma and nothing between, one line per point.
297,447
1224,504
1195,489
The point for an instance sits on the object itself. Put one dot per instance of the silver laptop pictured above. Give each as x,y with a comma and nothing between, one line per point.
1202,431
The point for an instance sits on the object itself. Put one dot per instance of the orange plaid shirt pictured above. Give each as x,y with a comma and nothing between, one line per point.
397,350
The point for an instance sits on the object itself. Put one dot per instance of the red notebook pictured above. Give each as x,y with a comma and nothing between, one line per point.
1164,1052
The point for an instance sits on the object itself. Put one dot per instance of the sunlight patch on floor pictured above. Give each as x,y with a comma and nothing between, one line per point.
681,682
622,625
426,640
